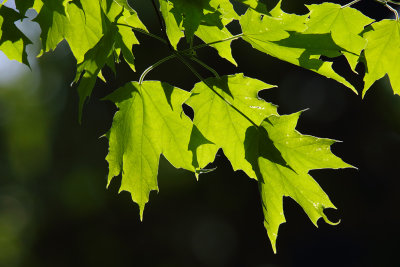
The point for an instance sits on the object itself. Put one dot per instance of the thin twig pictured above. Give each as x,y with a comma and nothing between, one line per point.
394,11
393,2
205,66
215,42
144,32
351,3
385,3
154,66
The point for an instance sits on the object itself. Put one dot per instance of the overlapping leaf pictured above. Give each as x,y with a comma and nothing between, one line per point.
382,54
228,112
223,116
117,39
284,159
95,59
78,24
282,37
150,122
12,41
257,5
91,30
345,26
204,18
262,144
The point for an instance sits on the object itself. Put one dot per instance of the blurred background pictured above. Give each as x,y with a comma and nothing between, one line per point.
55,209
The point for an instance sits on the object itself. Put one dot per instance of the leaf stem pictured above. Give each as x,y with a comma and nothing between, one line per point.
393,2
394,11
144,32
351,3
146,71
385,3
184,61
215,42
205,66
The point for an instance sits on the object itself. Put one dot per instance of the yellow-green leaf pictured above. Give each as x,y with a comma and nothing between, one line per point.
382,54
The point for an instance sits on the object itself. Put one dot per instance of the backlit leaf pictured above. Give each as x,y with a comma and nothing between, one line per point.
284,159
382,54
220,117
345,25
12,41
278,38
150,122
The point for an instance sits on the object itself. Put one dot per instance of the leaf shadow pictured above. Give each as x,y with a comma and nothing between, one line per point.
313,45
196,140
258,144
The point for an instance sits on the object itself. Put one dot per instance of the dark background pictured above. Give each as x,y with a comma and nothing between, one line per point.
56,211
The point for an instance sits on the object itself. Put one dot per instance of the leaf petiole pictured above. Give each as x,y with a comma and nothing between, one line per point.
351,3
208,44
143,32
205,66
385,3
394,11
155,65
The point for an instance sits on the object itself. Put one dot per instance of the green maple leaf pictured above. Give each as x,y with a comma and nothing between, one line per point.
78,23
284,157
53,21
256,5
262,144
345,25
116,40
211,34
173,29
12,41
125,5
220,117
204,18
150,122
94,61
121,13
288,22
190,14
281,37
382,54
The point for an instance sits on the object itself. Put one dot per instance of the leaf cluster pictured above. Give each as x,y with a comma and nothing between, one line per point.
228,113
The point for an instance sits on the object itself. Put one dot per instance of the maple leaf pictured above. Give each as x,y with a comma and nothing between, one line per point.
262,144
95,59
204,18
173,29
12,41
281,37
224,113
150,122
344,24
284,157
116,40
255,4
382,54
78,24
